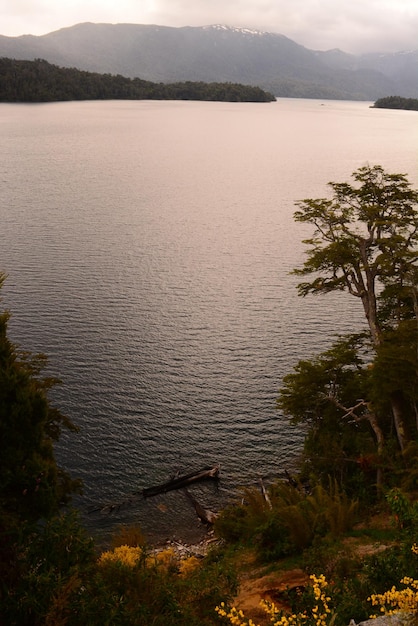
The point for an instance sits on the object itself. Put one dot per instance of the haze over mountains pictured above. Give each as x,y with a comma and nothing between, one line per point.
221,54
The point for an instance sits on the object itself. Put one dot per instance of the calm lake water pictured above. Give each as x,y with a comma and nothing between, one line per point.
148,247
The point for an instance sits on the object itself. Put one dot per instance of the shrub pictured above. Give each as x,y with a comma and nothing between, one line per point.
128,536
125,555
292,521
318,613
303,517
54,561
399,600
232,524
405,512
313,606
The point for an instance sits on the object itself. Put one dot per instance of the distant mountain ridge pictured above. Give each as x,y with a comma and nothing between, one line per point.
219,53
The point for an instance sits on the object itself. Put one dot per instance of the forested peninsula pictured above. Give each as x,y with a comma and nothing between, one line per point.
397,102
40,81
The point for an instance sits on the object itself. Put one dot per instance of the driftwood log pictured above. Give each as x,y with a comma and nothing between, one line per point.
178,482
206,516
208,473
265,494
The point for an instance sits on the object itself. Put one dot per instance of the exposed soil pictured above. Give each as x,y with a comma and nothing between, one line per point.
268,587
257,585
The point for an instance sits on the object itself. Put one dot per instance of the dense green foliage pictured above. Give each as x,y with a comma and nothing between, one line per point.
39,81
397,102
290,521
59,579
357,402
316,532
353,579
32,486
359,398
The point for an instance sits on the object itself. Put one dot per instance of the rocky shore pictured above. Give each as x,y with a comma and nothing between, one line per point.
185,550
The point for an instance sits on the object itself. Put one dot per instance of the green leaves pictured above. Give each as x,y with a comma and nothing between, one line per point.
356,396
31,484
365,235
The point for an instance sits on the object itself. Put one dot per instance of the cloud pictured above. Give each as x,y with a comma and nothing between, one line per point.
357,26
352,25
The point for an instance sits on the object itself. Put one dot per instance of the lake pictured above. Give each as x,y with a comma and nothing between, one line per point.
148,247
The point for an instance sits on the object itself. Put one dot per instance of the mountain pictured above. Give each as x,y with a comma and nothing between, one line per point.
401,68
220,54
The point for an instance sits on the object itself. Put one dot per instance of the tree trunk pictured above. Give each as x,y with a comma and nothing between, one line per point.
371,418
396,399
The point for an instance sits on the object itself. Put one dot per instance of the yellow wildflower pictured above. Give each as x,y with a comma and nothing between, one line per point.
320,613
399,600
186,566
126,555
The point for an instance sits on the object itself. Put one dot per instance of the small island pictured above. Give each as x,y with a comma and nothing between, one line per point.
40,81
396,102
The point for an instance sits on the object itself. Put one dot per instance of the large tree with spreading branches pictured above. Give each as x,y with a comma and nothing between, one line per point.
365,243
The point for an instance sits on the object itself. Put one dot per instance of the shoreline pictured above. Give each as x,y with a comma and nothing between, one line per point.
185,550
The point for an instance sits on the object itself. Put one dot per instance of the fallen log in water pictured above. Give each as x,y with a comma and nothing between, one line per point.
178,482
205,515
182,481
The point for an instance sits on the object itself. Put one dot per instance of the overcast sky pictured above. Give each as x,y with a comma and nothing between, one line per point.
352,25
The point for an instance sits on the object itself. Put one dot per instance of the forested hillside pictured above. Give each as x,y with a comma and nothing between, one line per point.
396,102
39,81
220,53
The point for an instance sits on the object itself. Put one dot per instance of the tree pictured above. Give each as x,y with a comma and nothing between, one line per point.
396,102
32,486
365,242
39,81
330,395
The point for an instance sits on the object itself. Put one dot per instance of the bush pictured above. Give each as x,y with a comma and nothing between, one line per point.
128,536
53,562
291,523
